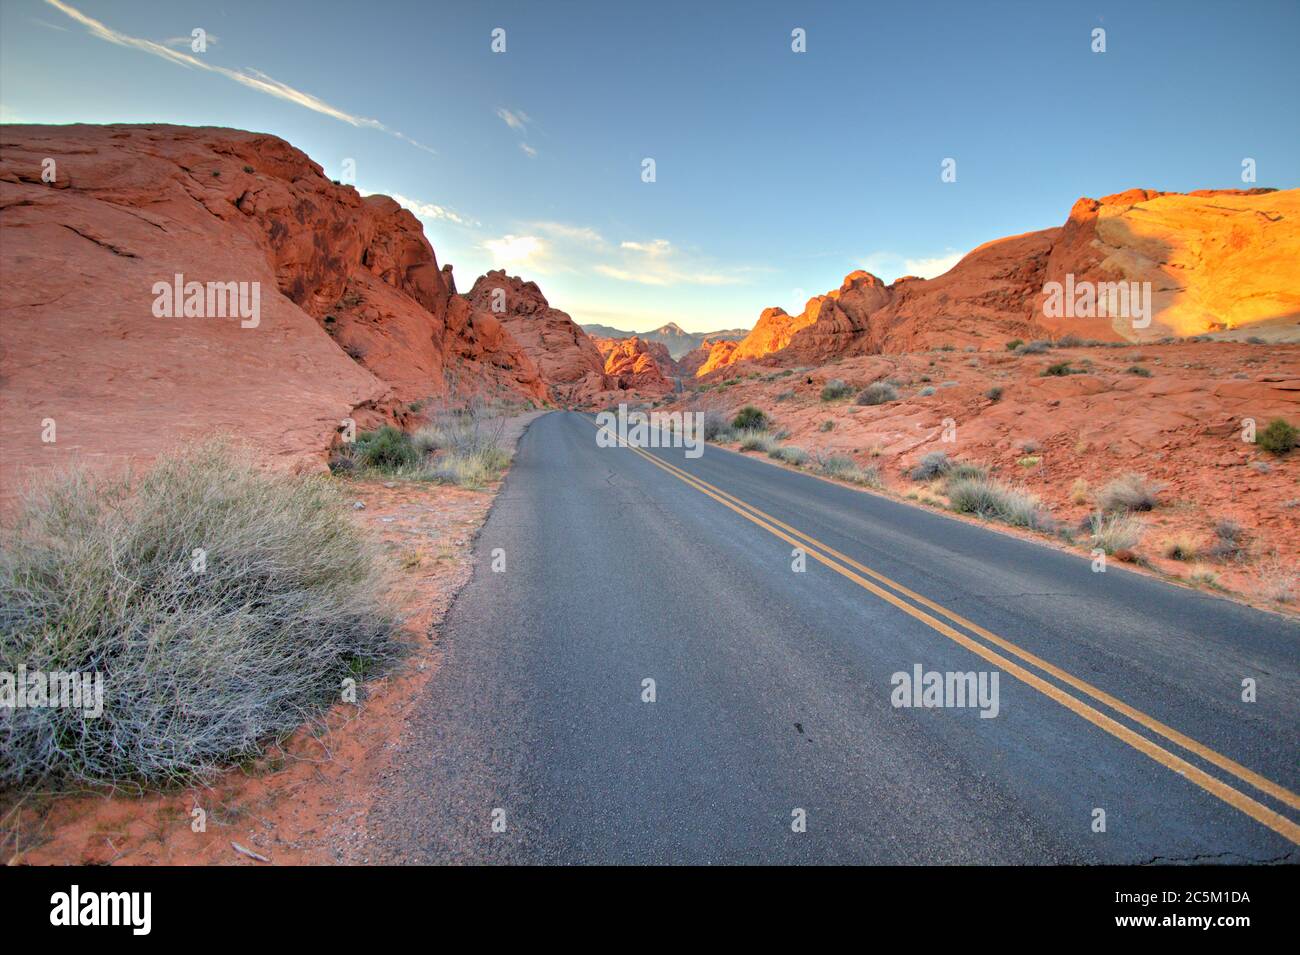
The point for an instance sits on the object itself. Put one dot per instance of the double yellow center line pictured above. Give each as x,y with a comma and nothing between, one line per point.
929,613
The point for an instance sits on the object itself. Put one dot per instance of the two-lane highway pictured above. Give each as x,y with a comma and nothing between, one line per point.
653,678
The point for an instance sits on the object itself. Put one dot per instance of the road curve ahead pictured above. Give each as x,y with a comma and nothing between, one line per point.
770,733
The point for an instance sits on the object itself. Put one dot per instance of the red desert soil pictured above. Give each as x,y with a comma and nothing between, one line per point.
1182,426
303,801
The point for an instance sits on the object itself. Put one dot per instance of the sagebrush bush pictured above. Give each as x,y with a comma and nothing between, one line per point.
790,454
201,663
934,464
715,426
993,501
836,389
1129,492
843,468
1033,348
877,393
1279,437
750,418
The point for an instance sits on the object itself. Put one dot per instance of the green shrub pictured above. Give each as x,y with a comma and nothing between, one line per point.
1014,344
387,449
750,418
1061,368
1139,371
993,394
827,425
1279,437
201,664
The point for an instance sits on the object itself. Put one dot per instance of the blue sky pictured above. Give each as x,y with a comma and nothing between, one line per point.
776,172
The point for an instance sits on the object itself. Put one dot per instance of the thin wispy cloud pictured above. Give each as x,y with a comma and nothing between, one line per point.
529,151
657,262
584,235
251,78
429,211
515,119
184,42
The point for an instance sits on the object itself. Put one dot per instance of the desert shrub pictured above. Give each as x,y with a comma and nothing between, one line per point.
1181,547
1204,576
1279,437
387,449
715,425
750,418
1033,348
993,394
1079,491
1069,341
993,501
755,439
789,454
836,389
1129,492
200,667
472,467
842,468
1138,370
926,392
785,396
1059,369
932,465
1014,344
827,425
1029,461
877,393
1115,532
1278,580
961,470
1229,540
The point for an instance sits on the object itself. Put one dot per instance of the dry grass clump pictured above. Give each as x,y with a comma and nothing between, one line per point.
1129,492
202,658
843,468
1115,532
991,500
756,439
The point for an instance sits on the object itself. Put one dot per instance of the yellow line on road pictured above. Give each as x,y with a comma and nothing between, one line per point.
814,548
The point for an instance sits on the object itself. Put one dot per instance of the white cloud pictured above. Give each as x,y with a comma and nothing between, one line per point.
582,234
936,265
529,151
657,262
890,265
253,79
515,119
428,210
512,250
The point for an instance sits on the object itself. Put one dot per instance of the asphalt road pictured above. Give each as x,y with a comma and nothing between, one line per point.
773,687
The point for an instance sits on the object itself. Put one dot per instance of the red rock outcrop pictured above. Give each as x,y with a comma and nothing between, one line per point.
354,316
1218,262
633,364
569,360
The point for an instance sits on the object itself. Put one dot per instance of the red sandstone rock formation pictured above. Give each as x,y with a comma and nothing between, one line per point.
569,360
355,318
